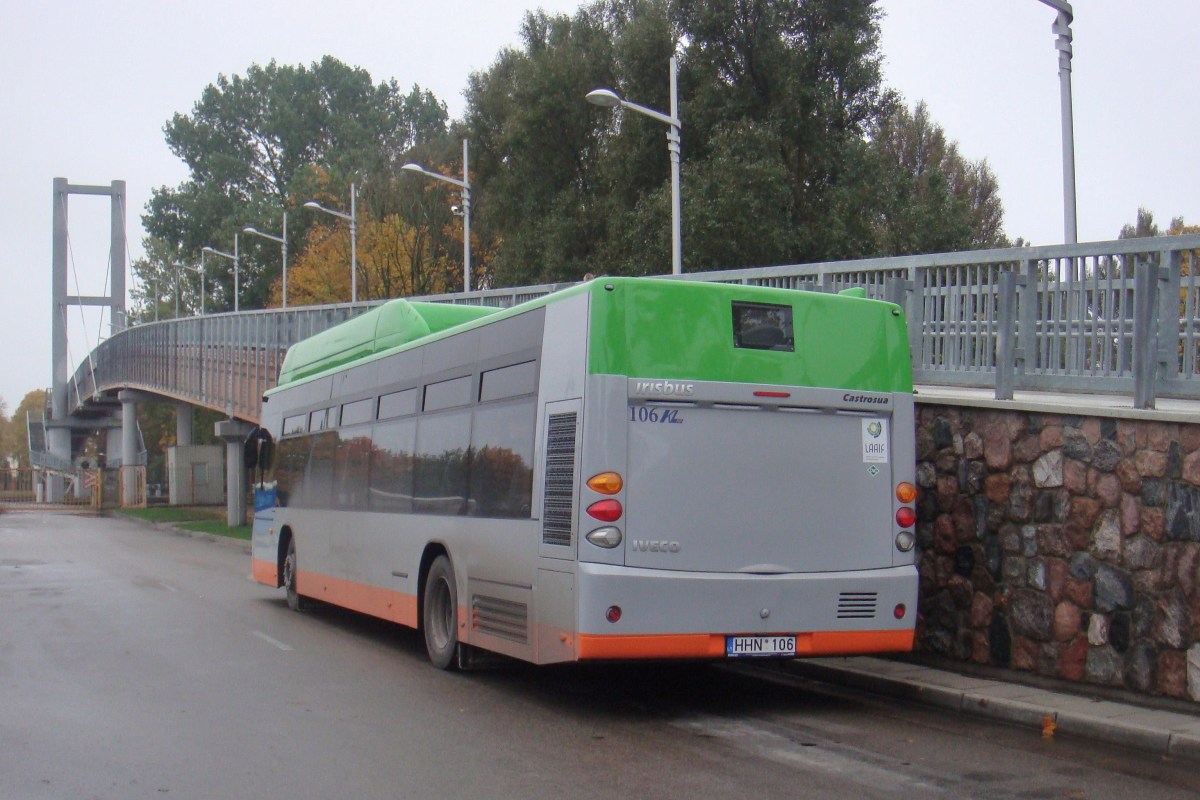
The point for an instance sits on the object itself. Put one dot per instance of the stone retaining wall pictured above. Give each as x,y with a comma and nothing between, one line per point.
1067,546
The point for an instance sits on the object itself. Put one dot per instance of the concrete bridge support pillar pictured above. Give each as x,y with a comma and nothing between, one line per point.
112,439
129,451
183,424
234,433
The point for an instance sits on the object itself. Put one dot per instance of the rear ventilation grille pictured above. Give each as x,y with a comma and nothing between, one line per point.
503,618
857,605
558,509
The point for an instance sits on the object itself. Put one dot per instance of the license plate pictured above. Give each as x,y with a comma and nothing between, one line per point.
751,646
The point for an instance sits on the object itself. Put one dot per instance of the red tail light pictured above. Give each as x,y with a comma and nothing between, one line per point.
906,517
605,510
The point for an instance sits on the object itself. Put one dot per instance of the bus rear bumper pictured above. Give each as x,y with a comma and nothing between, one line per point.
691,615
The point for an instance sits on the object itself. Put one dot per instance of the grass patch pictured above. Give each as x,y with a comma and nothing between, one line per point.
177,513
218,528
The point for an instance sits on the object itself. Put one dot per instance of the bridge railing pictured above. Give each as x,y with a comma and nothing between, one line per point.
1102,317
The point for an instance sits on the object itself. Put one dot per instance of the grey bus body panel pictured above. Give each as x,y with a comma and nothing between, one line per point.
821,503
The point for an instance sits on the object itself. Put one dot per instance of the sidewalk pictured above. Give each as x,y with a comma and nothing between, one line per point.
1163,732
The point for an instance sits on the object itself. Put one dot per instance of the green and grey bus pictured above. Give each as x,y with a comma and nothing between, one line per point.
631,468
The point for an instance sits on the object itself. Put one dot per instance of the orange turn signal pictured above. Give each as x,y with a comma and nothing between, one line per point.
906,492
606,483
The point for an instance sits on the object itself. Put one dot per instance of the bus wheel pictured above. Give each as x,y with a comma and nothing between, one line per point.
289,577
440,616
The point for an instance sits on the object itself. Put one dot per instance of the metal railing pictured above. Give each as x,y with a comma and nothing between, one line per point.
1111,317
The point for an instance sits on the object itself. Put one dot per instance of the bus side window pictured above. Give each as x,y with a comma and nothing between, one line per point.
291,464
391,470
440,471
502,458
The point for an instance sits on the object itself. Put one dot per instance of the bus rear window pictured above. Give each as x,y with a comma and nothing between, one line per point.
759,326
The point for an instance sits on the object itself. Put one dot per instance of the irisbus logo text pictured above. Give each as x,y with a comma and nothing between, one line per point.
865,398
669,388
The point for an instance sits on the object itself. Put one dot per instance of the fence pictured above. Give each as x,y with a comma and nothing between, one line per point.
1112,317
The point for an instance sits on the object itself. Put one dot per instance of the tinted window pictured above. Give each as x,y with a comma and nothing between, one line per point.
316,420
392,465
442,462
398,404
760,326
296,424
351,470
291,462
513,381
502,459
361,411
448,394
318,483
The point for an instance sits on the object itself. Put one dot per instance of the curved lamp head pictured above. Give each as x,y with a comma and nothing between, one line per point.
249,229
313,204
606,98
411,167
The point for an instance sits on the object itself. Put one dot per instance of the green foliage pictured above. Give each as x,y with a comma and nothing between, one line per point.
264,143
933,200
1145,226
793,149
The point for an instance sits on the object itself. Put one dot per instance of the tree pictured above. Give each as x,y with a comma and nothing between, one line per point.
252,142
1144,227
792,146
536,142
32,404
932,199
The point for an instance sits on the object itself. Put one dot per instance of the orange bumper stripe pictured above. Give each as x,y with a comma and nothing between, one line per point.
264,572
705,645
382,603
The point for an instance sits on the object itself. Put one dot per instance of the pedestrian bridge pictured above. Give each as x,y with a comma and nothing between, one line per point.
1114,317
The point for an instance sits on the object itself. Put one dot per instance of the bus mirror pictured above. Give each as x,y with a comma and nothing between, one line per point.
258,449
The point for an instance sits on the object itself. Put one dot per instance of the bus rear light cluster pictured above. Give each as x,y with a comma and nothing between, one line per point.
607,537
605,510
906,518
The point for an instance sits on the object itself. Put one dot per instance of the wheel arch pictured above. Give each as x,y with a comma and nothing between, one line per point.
285,537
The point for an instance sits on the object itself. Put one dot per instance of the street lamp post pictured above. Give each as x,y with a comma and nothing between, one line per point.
1062,28
234,257
352,218
200,270
610,99
283,243
203,293
465,185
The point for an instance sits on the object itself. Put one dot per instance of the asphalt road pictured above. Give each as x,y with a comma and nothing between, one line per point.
143,663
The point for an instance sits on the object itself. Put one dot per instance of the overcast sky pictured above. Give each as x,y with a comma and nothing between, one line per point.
87,85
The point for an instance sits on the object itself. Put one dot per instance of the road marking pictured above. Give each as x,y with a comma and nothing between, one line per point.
271,640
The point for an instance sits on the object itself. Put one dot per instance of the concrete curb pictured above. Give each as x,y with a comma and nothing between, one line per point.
176,528
1166,733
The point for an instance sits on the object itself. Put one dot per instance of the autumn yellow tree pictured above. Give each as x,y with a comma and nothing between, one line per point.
395,259
33,404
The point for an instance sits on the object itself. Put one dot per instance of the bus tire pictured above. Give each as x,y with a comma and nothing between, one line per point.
440,614
290,566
